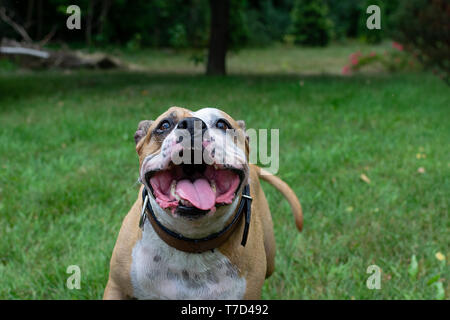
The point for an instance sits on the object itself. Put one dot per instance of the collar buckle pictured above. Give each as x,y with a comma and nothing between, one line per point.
143,215
247,207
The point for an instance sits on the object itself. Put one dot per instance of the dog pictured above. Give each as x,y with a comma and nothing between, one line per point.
200,228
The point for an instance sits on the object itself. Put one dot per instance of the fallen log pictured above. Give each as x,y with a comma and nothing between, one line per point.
25,51
33,57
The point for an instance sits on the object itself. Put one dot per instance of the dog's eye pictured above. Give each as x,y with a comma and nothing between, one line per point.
164,126
222,125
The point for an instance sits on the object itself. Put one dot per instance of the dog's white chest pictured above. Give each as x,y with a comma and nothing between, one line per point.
159,271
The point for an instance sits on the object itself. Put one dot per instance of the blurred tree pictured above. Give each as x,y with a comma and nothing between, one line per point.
190,23
218,41
238,33
267,21
186,23
345,16
310,23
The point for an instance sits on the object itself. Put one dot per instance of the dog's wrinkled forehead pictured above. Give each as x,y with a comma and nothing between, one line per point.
175,113
211,115
207,115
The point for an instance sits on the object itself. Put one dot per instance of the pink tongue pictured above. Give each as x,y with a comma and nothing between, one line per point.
198,193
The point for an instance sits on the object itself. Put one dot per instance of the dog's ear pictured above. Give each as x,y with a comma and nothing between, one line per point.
241,124
142,129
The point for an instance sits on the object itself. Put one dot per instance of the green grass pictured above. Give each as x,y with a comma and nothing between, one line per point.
68,172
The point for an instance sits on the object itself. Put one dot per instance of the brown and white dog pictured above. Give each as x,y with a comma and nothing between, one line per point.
185,237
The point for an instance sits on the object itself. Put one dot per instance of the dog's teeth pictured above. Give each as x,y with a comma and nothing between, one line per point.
216,167
173,188
213,186
186,203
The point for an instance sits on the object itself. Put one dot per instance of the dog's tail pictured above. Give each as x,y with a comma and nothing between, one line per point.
287,192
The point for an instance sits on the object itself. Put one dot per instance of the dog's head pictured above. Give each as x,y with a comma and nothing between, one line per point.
195,165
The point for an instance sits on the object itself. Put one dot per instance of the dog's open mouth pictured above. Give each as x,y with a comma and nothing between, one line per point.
193,189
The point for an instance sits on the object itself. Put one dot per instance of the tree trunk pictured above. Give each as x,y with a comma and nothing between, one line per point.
89,18
106,4
30,9
220,14
40,19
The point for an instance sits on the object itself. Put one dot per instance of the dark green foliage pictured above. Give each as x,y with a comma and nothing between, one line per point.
345,15
238,31
135,24
424,27
268,21
350,17
161,23
310,23
152,23
175,23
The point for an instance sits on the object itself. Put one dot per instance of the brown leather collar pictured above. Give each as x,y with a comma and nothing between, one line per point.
198,245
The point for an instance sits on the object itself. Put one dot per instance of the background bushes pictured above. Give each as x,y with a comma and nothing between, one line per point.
310,23
423,25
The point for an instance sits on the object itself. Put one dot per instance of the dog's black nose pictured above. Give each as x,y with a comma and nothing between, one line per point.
192,123
196,129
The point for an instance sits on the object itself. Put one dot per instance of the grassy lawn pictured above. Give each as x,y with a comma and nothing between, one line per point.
68,170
